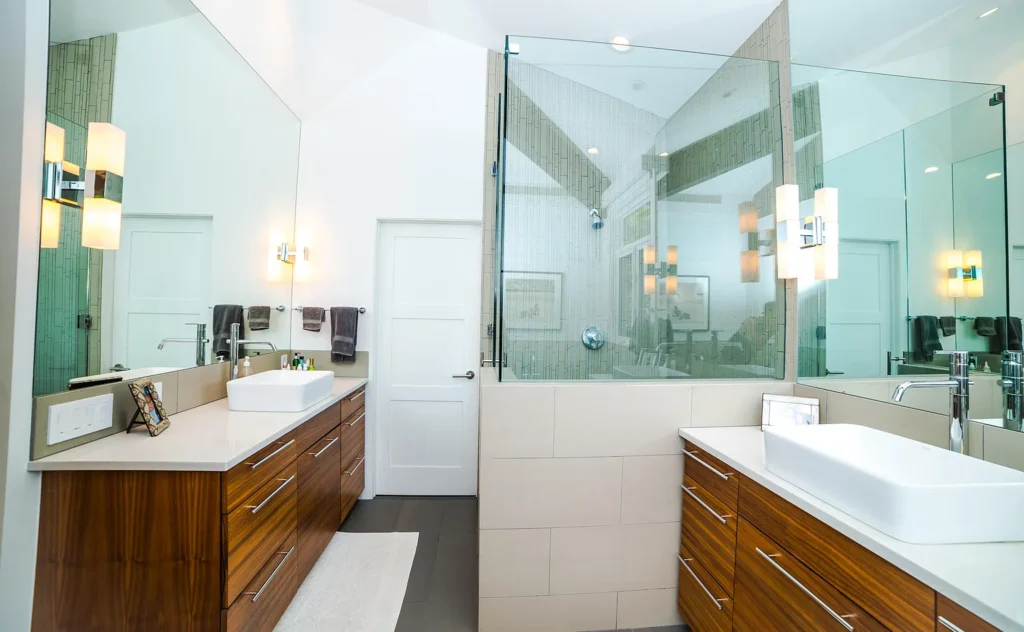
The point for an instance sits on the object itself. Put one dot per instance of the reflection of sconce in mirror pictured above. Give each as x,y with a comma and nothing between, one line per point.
102,187
965,277
820,232
667,269
286,254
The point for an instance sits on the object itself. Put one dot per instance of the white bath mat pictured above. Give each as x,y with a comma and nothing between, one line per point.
357,585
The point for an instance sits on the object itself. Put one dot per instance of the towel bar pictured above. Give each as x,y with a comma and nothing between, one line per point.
279,308
362,310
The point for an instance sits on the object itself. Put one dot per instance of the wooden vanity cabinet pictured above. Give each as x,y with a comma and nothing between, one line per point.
789,570
194,551
353,455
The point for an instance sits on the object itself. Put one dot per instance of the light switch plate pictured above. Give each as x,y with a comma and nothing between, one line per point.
78,418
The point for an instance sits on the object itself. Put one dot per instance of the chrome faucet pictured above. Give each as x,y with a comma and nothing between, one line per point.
200,341
1012,381
960,400
233,343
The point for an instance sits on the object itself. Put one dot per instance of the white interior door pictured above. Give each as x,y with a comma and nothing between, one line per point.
162,280
860,312
428,332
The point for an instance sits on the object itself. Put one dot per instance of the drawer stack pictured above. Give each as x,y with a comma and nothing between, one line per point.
353,456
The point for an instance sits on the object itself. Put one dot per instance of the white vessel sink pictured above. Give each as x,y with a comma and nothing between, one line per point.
279,391
910,491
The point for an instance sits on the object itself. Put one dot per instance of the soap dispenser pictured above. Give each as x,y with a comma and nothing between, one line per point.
246,369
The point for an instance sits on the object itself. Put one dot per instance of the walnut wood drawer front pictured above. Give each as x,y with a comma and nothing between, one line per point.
353,436
952,617
774,591
353,401
313,430
702,602
353,479
318,500
245,478
891,596
711,474
709,532
254,530
267,596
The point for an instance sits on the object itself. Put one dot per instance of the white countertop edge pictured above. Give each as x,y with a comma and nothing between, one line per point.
55,462
864,535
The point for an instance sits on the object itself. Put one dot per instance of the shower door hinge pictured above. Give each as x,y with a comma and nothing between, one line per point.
85,321
494,169
490,330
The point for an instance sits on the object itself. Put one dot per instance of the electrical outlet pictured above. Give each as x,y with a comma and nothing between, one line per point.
78,418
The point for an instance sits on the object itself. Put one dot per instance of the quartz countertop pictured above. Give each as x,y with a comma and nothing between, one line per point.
984,578
209,438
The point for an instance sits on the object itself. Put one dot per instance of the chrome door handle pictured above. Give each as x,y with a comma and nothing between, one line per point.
840,618
689,492
253,466
699,582
468,376
256,595
357,395
353,471
316,455
693,455
357,419
949,625
272,494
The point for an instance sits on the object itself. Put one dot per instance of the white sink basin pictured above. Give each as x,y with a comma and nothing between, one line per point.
279,391
908,490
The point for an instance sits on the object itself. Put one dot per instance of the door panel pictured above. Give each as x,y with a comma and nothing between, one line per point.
429,331
860,310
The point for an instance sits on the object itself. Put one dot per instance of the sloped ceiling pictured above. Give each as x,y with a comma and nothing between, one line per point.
72,20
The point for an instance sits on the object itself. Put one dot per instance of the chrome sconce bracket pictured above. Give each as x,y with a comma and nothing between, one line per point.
967,273
103,184
662,269
56,188
285,254
813,232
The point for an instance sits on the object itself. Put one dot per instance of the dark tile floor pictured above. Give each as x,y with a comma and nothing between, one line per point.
443,587
442,591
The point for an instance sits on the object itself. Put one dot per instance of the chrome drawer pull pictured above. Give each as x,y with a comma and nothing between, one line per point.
272,494
256,595
356,467
837,617
255,465
693,455
357,395
689,491
700,583
949,625
325,448
357,419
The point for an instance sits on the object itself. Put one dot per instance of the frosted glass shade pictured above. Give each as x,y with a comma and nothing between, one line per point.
101,224
105,148
955,259
750,266
53,147
826,262
650,284
976,288
787,203
650,257
826,204
748,217
972,258
956,287
49,226
672,255
671,285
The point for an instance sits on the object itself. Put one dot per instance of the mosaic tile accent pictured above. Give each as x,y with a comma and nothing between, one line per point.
80,87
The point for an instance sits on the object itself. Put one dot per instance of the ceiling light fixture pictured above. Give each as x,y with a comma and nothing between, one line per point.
931,169
592,151
992,176
621,43
664,154
988,13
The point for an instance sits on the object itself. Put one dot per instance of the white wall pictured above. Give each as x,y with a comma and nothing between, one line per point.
23,49
206,136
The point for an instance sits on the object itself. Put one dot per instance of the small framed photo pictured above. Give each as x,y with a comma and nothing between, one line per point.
782,410
151,409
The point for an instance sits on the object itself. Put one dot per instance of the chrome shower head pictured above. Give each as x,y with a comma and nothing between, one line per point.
596,222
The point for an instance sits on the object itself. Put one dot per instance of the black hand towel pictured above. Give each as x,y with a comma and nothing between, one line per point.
344,329
985,326
948,325
223,317
926,338
1009,329
259,317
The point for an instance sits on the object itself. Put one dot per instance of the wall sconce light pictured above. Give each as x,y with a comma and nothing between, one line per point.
820,232
965,274
667,269
101,189
750,252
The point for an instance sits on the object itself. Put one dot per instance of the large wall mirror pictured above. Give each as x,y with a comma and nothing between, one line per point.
179,170
920,169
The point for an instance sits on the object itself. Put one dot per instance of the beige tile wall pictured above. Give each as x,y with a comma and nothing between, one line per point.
580,501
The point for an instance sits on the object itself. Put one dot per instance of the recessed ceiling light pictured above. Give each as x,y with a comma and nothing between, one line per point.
931,169
592,151
992,176
664,154
621,43
988,13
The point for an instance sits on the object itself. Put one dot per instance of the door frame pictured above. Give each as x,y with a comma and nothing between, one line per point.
372,428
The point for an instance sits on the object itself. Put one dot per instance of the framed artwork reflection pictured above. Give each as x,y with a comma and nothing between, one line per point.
689,309
532,300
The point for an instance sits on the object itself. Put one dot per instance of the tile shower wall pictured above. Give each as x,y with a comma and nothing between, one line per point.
79,91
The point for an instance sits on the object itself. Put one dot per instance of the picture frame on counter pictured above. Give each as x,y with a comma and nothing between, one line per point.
151,410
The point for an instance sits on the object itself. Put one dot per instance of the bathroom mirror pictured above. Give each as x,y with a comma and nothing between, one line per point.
181,170
920,170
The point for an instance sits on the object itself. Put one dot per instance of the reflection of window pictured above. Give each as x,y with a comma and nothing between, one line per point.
636,225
